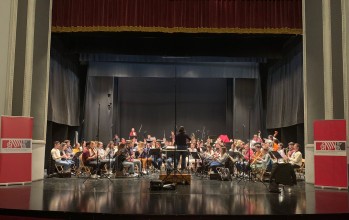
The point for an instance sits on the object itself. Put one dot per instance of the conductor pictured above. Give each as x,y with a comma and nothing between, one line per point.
181,142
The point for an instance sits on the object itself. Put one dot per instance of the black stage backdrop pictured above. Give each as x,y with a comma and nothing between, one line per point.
156,105
155,98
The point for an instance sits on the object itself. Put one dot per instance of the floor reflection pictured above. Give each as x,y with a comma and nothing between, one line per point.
202,197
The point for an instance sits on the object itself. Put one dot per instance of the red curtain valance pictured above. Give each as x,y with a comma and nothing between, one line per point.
188,16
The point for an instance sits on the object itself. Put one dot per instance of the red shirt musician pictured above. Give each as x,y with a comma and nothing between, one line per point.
133,133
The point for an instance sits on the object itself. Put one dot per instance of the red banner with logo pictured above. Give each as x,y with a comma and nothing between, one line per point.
330,157
16,149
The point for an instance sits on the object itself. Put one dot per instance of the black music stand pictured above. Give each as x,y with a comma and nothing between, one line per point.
275,154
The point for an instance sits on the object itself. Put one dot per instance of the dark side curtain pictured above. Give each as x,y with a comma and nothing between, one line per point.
285,99
189,16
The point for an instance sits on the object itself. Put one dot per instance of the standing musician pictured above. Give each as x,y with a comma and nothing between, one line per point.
133,133
181,141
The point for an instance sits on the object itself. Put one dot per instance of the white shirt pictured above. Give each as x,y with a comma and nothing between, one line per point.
56,154
296,158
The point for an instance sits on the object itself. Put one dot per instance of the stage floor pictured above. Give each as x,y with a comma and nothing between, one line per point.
101,199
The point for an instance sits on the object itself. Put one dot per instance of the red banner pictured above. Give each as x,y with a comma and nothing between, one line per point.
330,158
16,149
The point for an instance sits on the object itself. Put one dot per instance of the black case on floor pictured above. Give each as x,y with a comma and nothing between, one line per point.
156,185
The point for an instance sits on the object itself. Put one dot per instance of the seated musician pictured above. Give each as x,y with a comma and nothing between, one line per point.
169,158
69,150
248,157
57,157
103,155
248,154
90,158
258,164
290,149
158,159
110,150
257,161
144,156
265,159
131,156
296,157
220,161
66,157
123,157
76,149
192,161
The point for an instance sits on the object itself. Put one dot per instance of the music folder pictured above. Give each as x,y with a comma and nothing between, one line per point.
195,155
154,151
235,154
275,154
77,154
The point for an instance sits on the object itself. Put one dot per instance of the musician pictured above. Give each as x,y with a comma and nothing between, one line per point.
257,139
68,150
258,153
77,148
200,146
296,157
57,157
110,150
265,159
116,139
89,157
123,141
66,157
158,159
124,159
181,140
133,133
131,156
220,161
173,137
290,149
102,155
192,161
276,145
144,156
248,154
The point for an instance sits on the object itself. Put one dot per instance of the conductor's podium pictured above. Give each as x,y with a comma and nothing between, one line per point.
176,178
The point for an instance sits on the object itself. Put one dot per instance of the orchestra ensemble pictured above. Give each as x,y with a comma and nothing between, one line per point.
134,157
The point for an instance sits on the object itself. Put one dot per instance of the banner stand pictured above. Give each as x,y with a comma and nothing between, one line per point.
330,156
16,150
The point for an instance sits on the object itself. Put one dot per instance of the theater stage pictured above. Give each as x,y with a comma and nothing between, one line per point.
68,198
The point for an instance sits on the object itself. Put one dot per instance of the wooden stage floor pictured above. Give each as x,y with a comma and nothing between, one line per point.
67,198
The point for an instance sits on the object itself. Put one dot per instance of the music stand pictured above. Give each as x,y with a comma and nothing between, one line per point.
275,154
